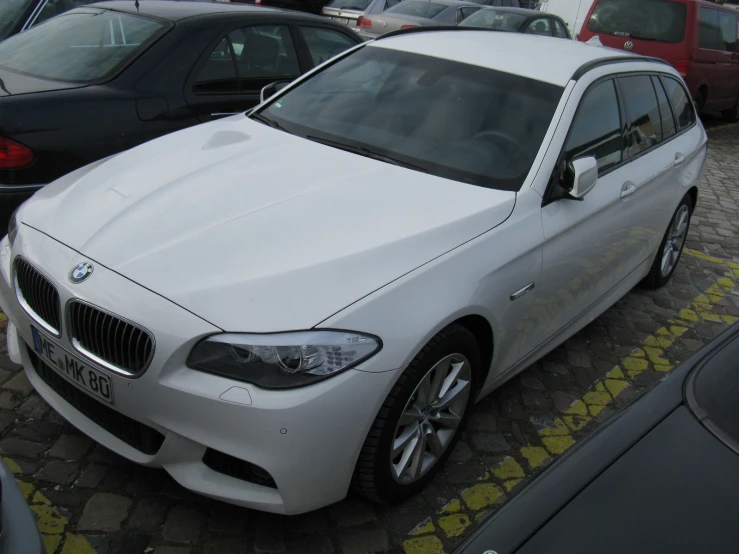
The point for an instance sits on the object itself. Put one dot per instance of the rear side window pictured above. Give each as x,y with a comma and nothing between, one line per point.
418,9
559,30
80,46
681,104
665,111
495,19
642,113
596,130
541,26
219,72
657,20
324,44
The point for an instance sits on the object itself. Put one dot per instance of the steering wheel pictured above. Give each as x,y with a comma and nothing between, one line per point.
499,136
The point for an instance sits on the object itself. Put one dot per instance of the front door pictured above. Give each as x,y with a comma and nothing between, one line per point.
583,239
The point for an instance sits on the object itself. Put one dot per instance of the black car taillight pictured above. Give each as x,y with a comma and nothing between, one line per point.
14,155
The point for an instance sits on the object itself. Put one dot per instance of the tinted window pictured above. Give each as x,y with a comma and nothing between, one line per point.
495,19
53,8
681,104
390,3
464,13
454,120
665,111
264,54
642,113
324,44
710,32
727,23
659,20
541,26
418,9
596,130
81,46
10,13
218,74
559,30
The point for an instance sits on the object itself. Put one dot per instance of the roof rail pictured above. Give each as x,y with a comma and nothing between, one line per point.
592,64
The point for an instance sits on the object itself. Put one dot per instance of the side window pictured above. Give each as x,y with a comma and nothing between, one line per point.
324,44
680,102
540,26
727,23
642,114
710,32
468,11
596,130
665,111
218,74
53,8
264,54
390,3
559,30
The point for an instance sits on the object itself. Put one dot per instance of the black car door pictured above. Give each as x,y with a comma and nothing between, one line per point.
233,71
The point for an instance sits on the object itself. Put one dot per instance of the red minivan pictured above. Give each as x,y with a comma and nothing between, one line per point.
698,38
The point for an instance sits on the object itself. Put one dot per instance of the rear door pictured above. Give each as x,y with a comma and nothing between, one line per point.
232,73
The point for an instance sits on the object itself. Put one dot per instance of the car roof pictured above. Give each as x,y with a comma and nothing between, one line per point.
176,10
548,59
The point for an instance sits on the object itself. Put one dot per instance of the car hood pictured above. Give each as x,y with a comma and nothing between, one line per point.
257,230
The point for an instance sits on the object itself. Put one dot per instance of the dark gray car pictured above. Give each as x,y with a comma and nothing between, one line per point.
416,13
348,12
18,531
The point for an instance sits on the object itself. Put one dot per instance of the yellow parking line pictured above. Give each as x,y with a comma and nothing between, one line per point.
473,503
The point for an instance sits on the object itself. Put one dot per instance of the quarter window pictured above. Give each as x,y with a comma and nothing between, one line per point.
665,111
324,44
681,104
559,30
540,26
642,113
219,72
596,130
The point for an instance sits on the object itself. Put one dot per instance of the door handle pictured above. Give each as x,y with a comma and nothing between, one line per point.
679,158
628,189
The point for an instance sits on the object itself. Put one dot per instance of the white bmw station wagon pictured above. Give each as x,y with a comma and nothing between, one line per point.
282,304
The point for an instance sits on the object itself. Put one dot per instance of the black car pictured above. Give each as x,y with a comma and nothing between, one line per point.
518,20
661,477
309,6
103,78
20,15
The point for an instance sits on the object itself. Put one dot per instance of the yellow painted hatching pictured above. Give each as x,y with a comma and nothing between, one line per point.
509,469
455,524
481,496
421,545
77,544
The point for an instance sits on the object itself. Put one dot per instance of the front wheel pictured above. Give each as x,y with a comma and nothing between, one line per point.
421,419
671,247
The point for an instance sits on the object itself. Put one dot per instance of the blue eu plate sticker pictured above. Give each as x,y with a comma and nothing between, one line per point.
37,346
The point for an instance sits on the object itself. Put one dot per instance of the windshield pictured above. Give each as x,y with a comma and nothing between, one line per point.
11,11
417,9
360,5
446,118
495,19
658,20
80,46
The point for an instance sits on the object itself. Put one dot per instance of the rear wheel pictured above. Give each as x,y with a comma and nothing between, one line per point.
700,101
421,419
732,115
671,247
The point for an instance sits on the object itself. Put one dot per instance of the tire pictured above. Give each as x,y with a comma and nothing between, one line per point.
376,475
732,115
674,236
699,101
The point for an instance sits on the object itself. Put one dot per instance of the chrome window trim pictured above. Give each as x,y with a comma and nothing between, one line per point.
93,357
34,15
56,333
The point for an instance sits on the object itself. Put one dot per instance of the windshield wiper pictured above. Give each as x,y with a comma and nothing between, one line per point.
267,121
367,153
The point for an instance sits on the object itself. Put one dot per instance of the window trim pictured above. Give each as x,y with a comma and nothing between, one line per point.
663,76
669,105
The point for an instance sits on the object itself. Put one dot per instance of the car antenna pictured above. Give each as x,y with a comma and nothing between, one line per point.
137,5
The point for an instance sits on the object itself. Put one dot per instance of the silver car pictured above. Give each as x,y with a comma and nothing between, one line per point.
348,12
416,13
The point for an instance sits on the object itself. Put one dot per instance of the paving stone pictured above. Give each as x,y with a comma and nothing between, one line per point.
6,420
311,522
9,400
563,400
364,542
148,515
36,431
482,422
28,467
490,442
183,524
99,543
4,374
66,498
20,447
531,380
134,544
578,358
229,545
19,383
91,476
104,512
269,534
34,407
464,472
535,399
172,550
58,472
71,447
461,453
315,544
105,456
146,480
352,512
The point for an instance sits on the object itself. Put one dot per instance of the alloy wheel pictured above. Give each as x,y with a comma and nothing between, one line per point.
675,240
430,418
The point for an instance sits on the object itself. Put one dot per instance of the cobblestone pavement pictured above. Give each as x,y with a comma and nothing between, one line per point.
88,499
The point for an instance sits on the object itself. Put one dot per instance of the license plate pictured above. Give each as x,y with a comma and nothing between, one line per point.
65,364
344,20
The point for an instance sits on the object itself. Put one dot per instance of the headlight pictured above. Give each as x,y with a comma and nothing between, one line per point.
13,227
282,360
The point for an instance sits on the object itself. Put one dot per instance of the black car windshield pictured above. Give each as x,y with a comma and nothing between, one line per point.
500,20
453,120
360,5
716,390
658,20
81,46
11,11
418,9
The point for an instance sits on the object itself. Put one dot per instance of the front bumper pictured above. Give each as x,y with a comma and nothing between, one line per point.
306,439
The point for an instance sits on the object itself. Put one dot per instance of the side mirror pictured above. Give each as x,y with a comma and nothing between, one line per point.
583,173
272,89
